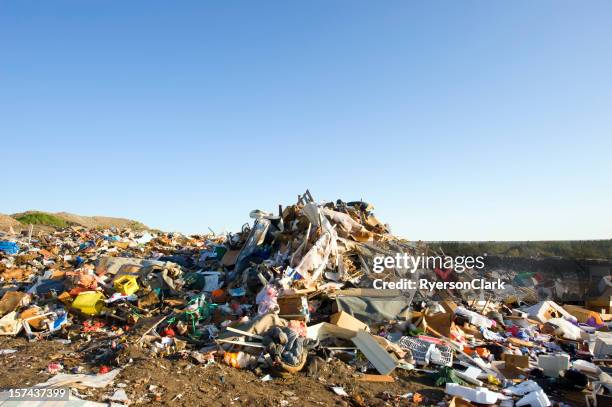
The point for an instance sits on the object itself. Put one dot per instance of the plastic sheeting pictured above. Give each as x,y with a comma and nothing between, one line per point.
9,247
375,309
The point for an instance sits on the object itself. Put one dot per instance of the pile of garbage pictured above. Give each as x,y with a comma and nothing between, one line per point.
294,285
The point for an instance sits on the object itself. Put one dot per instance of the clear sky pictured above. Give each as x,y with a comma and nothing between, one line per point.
458,120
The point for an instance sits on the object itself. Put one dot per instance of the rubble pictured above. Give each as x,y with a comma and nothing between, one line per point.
293,287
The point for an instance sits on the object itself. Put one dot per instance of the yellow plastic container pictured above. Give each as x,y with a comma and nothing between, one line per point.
126,285
89,302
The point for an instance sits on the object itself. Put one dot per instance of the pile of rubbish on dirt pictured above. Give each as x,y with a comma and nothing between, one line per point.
292,285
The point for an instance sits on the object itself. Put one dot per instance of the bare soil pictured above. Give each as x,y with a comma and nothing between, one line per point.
182,383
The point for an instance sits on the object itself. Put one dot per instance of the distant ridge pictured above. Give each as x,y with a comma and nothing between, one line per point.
49,220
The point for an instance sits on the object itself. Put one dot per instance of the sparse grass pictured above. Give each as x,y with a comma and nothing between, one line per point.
40,218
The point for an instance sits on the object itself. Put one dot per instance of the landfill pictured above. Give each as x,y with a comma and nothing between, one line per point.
284,312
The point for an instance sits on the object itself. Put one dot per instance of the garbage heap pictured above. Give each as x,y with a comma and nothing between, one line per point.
291,286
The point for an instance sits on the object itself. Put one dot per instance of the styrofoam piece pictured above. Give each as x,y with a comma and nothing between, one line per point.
523,388
546,310
553,365
480,395
568,330
534,399
470,375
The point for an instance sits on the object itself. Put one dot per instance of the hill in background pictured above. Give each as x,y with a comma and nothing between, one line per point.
7,222
47,220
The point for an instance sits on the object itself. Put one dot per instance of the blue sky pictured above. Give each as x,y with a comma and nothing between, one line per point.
470,120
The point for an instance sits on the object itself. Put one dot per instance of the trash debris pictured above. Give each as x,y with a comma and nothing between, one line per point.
425,351
376,354
9,247
480,395
376,378
471,375
535,399
238,360
447,375
554,365
89,302
294,292
81,380
120,396
54,368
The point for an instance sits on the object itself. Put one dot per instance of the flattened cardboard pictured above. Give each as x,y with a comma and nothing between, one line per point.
347,321
516,361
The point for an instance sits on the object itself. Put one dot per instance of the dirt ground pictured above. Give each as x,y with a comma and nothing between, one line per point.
157,380
163,381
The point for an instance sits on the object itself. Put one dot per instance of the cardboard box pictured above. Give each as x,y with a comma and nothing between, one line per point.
516,361
347,321
546,310
13,300
294,307
459,402
36,323
441,323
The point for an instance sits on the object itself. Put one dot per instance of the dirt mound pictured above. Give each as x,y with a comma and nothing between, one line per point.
7,222
99,221
63,219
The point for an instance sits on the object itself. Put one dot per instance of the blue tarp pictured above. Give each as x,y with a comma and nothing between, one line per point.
9,247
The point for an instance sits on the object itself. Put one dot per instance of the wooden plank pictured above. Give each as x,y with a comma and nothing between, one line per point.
245,333
251,344
326,330
376,378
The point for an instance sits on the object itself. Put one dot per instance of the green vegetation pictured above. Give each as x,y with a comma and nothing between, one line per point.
576,249
40,218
